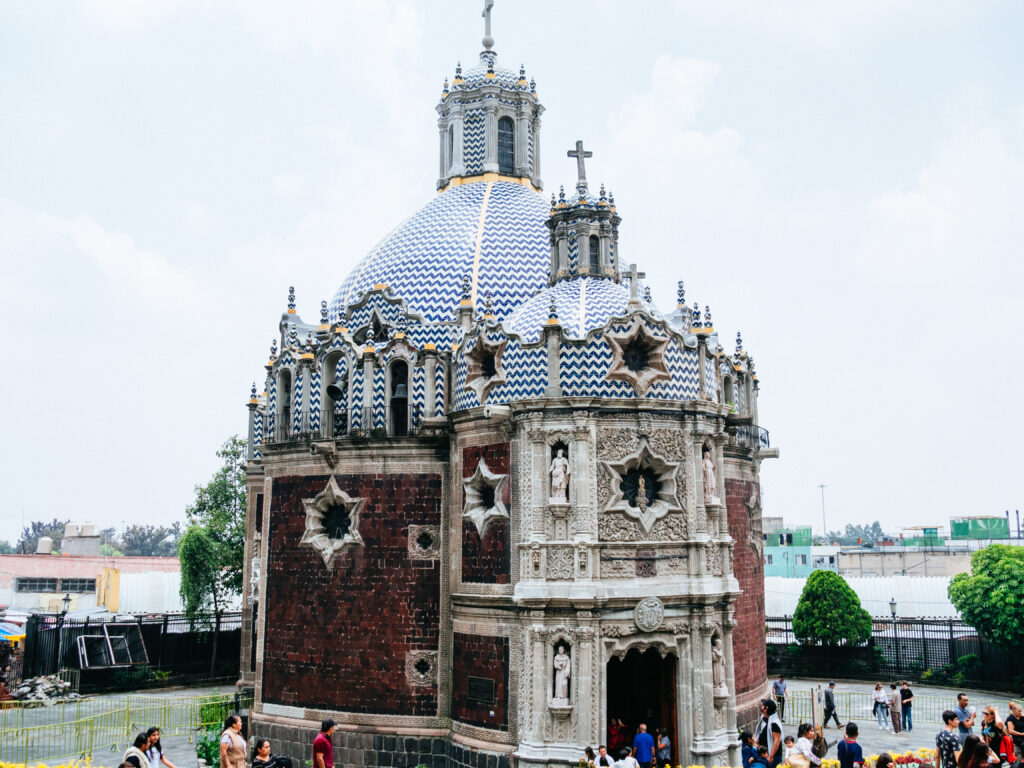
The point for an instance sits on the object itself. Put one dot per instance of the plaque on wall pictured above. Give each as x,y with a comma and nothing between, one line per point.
481,689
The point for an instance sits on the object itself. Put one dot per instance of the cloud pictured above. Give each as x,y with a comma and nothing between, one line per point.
961,218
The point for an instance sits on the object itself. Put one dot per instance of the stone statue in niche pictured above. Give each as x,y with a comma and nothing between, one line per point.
710,483
718,667
641,493
563,669
560,472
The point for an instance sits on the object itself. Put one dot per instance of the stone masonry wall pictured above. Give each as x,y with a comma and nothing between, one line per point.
487,560
339,639
483,657
748,638
375,749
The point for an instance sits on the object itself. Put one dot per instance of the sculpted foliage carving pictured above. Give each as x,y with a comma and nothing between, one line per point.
560,560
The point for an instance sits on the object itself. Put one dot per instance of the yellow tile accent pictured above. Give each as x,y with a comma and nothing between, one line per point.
458,181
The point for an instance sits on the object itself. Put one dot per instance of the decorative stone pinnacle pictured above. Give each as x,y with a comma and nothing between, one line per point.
488,305
647,294
552,201
444,88
611,199
458,72
680,295
466,287
707,316
561,195
252,392
488,41
696,315
291,299
603,197
522,73
581,170
553,311
323,313
533,86
739,343
273,349
309,341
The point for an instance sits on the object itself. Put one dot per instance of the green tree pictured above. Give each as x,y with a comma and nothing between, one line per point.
991,597
6,548
34,531
150,540
829,612
212,549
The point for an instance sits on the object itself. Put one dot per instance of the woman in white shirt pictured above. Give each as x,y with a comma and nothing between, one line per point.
881,707
803,755
155,752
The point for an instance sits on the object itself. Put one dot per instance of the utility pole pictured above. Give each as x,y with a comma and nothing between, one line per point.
824,527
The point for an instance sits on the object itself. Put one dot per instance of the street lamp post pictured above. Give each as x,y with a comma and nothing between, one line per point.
65,604
824,527
895,640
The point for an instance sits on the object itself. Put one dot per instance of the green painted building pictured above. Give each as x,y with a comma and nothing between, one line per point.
981,527
787,552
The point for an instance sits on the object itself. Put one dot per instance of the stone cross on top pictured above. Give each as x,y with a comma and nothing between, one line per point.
488,40
581,170
634,283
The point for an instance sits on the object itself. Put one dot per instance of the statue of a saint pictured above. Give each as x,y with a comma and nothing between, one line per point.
559,478
718,667
710,484
563,667
641,493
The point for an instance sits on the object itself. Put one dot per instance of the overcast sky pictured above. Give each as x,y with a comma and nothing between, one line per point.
842,181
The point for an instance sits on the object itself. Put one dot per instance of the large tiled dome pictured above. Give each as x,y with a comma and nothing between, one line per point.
493,231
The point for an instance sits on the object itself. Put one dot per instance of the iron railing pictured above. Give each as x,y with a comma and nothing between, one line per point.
753,437
374,421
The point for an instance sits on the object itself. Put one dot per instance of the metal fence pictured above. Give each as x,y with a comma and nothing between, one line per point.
177,650
84,728
857,705
936,651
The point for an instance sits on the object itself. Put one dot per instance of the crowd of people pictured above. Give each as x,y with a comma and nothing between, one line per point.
628,750
998,741
147,752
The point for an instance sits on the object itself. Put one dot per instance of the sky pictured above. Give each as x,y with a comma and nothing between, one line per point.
842,182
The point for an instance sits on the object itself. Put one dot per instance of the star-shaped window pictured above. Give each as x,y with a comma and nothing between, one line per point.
644,487
483,367
638,358
483,490
332,522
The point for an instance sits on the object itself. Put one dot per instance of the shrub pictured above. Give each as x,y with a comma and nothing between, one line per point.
829,612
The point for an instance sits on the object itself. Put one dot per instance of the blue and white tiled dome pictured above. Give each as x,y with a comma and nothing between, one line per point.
477,74
583,304
493,231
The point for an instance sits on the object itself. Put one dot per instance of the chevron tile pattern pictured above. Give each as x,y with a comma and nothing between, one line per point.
271,407
439,395
297,404
356,399
257,435
379,398
477,74
474,141
574,253
359,316
426,257
525,370
584,367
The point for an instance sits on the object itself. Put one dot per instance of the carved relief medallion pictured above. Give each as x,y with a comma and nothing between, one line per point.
648,614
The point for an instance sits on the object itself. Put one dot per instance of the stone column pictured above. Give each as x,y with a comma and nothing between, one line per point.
444,162
707,681
522,144
552,333
535,171
369,358
730,680
304,371
490,138
253,403
458,166
430,369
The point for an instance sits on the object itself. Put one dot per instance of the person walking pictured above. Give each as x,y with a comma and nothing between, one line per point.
907,697
155,752
946,742
881,707
768,733
323,747
232,745
780,692
135,755
895,702
965,714
830,705
643,746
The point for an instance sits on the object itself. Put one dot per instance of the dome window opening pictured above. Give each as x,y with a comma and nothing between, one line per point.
506,147
488,365
334,403
284,404
451,147
400,399
636,356
727,392
337,521
595,255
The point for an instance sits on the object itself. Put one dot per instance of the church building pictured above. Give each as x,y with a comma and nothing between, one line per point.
496,497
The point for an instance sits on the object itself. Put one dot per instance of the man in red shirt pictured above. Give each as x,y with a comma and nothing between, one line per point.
323,748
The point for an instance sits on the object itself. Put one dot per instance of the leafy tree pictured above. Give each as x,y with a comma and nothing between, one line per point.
34,531
829,612
6,548
991,597
151,540
867,534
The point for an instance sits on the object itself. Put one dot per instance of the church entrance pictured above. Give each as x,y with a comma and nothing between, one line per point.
642,689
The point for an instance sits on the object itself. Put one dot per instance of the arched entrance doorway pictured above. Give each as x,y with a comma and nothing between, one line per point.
642,689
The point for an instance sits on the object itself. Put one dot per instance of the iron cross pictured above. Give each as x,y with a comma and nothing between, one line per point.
581,171
634,283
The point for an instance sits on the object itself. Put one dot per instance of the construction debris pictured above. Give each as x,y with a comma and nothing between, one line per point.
44,688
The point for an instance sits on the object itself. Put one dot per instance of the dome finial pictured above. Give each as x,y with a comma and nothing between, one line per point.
293,336
323,313
647,294
581,170
739,343
273,349
696,315
488,40
291,299
707,316
680,295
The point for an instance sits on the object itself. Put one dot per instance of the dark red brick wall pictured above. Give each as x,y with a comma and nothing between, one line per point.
338,639
480,657
748,638
487,560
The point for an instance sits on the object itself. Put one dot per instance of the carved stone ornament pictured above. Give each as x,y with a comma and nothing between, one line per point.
638,358
333,503
648,614
483,367
484,490
753,505
646,511
424,542
421,668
